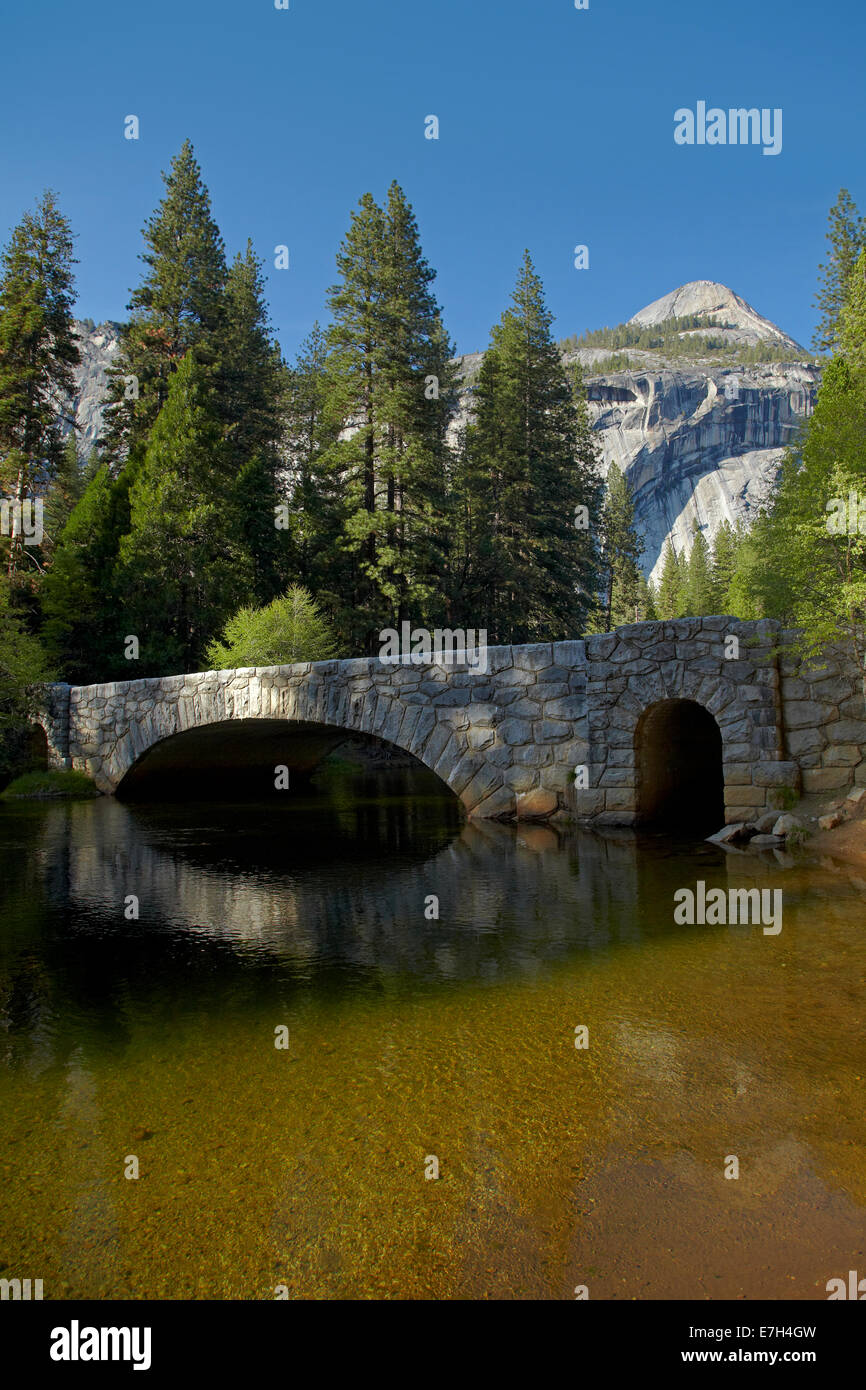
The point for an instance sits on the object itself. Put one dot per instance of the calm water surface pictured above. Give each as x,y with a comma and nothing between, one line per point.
411,1039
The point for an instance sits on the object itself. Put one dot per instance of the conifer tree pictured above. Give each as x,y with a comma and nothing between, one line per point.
852,321
38,352
535,562
722,562
387,462
699,598
621,552
670,595
83,623
182,566
847,238
177,307
250,399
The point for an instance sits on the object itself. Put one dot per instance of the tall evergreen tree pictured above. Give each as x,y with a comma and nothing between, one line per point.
847,237
670,596
535,561
250,401
722,562
177,307
182,567
852,321
38,352
83,620
621,552
389,389
699,598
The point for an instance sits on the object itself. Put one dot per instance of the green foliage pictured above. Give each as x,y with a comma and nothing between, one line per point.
22,664
182,566
83,621
699,597
670,598
177,308
808,571
530,463
847,238
38,351
289,629
621,550
665,338
54,784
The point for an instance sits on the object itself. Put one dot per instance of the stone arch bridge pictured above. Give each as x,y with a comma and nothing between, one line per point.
616,729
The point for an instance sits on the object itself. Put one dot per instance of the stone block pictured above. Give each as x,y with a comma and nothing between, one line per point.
825,779
537,804
843,755
806,714
738,774
776,774
547,730
534,658
515,731
847,731
569,654
744,796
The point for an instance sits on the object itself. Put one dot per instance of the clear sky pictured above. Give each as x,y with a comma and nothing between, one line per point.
556,129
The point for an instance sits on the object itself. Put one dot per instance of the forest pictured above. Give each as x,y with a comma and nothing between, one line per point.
238,506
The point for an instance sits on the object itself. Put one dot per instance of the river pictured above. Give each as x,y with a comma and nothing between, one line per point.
433,1129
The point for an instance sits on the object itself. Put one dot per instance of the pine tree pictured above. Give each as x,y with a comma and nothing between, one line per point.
83,621
670,596
182,566
847,238
852,323
722,562
699,598
535,564
291,628
250,399
387,418
177,307
621,552
38,352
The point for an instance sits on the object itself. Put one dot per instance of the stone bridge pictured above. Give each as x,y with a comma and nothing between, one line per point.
699,716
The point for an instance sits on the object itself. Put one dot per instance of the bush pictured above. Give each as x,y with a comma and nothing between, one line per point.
39,786
290,629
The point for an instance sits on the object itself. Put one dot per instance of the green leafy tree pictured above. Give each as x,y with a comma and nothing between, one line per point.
182,566
38,354
291,628
178,307
847,237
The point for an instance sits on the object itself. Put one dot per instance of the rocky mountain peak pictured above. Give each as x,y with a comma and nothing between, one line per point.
727,315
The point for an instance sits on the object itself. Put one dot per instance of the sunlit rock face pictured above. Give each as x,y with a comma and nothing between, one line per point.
698,441
694,452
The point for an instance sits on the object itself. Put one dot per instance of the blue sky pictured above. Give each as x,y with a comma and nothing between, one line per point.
556,129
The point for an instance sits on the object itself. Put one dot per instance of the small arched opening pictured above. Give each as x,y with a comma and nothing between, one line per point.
680,778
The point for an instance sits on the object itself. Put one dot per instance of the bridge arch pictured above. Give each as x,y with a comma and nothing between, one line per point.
680,781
